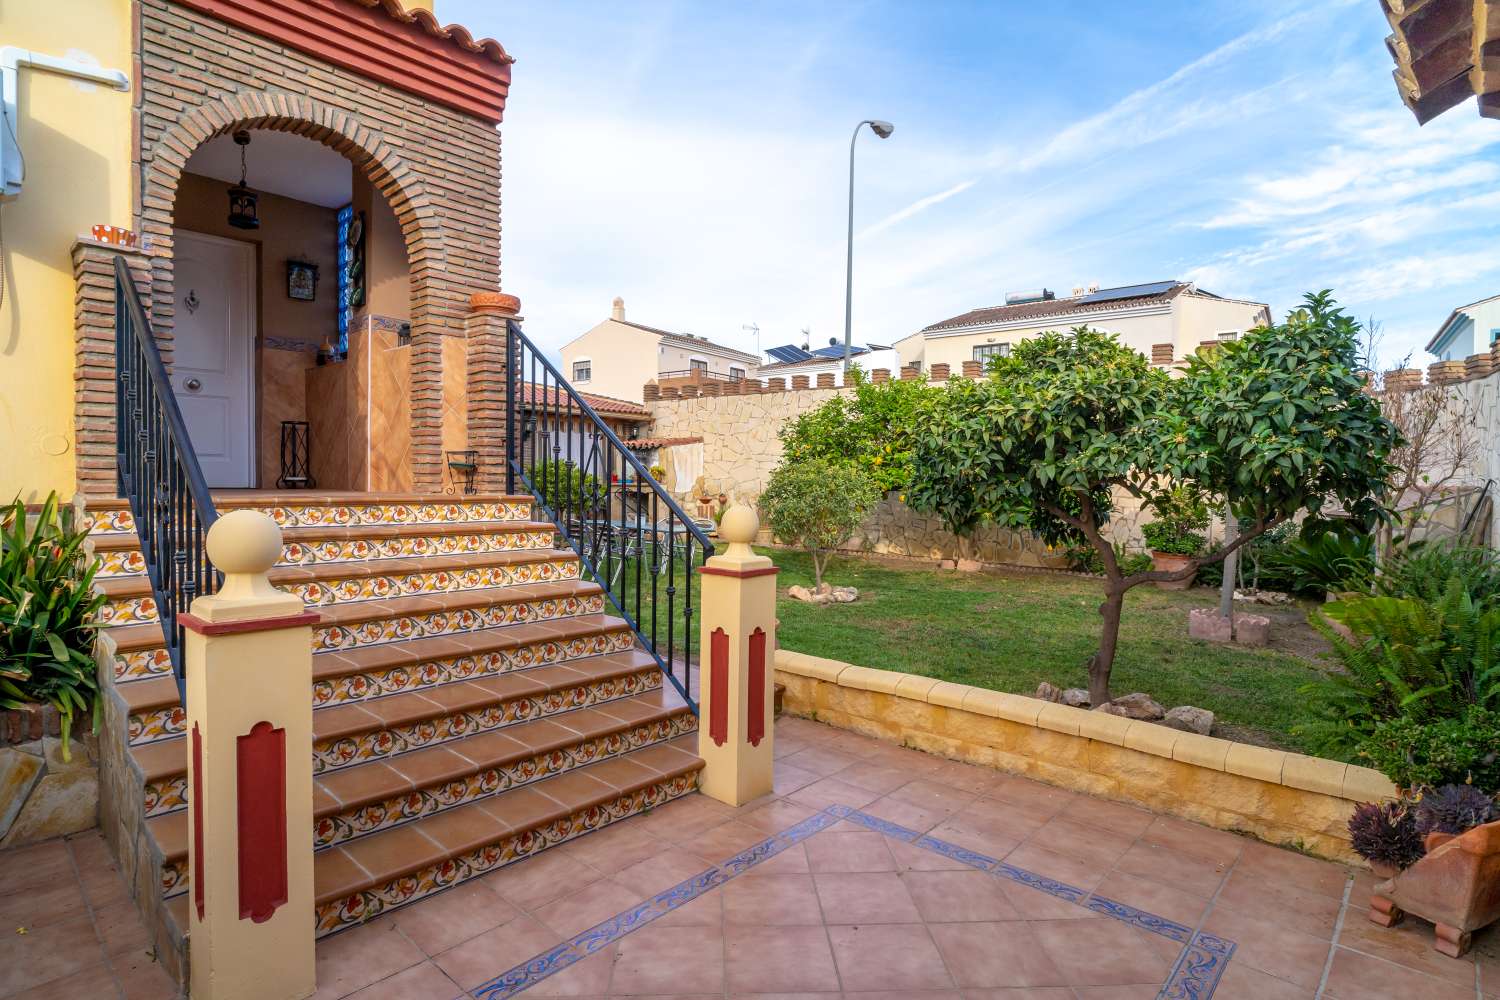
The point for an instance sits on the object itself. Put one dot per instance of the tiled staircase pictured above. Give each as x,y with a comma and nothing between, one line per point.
473,704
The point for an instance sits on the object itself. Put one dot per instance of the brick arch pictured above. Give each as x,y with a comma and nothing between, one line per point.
161,169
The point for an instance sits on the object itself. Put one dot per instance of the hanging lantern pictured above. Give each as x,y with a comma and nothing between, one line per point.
242,201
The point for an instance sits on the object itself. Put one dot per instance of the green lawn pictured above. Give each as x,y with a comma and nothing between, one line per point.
1010,631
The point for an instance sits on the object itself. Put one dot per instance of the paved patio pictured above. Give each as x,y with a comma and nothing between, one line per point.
873,871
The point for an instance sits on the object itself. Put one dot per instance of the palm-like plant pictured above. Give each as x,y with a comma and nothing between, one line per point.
47,610
1408,659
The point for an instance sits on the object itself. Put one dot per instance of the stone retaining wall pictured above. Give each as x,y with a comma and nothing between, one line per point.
1283,798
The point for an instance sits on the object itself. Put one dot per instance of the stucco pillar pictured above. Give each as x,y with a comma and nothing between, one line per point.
486,330
249,747
737,641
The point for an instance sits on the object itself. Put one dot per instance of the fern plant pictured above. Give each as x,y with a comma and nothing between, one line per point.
1424,662
47,611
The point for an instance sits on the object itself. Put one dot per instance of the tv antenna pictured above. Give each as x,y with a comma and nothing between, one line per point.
754,328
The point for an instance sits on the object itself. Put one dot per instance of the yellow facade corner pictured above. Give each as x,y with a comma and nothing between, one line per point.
1148,737
1255,762
1363,784
1061,718
1314,774
1201,751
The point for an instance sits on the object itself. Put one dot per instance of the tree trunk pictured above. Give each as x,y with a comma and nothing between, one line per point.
1231,568
817,562
1104,660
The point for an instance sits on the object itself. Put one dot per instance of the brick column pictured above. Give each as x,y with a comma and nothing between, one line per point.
485,328
939,372
250,788
973,369
94,352
736,643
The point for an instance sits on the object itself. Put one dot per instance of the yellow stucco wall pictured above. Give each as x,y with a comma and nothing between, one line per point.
76,140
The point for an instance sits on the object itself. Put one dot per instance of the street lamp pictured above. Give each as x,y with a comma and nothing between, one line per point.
883,130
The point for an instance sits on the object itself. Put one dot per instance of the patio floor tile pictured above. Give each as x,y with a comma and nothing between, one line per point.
849,851
1103,952
439,922
420,982
1355,975
952,896
889,956
772,900
659,959
865,898
778,959
996,954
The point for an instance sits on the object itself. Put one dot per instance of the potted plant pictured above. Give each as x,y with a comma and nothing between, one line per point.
1176,534
1385,834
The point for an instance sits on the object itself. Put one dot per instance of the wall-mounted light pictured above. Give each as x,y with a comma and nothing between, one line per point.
242,201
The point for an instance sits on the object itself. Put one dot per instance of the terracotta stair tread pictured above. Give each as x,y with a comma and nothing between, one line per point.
377,781
168,757
227,499
115,587
354,532
403,565
406,652
354,612
170,831
149,693
380,857
134,638
115,541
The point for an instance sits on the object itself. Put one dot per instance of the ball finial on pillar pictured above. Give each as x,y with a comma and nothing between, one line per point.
244,545
739,526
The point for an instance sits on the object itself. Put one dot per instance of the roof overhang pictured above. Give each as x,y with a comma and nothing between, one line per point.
1057,321
1445,52
380,40
1449,324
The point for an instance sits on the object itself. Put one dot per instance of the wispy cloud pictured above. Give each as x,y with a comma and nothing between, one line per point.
916,208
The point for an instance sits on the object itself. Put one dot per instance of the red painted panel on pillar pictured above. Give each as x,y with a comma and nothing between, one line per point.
718,688
197,797
261,793
755,724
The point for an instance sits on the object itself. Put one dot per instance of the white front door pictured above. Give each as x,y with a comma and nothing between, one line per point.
213,375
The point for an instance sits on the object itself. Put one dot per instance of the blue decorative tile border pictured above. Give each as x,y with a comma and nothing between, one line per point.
1195,975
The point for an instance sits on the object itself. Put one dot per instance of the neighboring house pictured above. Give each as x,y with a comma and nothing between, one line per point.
1149,318
789,361
618,357
1469,329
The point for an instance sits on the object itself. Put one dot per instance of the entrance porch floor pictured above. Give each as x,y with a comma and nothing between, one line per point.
872,872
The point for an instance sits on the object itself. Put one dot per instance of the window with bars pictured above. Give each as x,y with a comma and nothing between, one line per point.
582,370
698,365
345,257
983,352
735,372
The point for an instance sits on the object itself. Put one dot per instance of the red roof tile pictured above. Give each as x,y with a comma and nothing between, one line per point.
645,444
455,33
537,397
1072,306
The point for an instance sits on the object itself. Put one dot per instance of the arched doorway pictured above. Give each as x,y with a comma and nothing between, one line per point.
376,415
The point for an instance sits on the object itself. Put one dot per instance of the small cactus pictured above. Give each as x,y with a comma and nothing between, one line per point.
1386,833
1454,809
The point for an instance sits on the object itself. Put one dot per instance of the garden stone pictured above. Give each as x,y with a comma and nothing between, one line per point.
1046,691
1136,706
1076,697
19,773
1249,630
825,594
65,800
969,565
1190,719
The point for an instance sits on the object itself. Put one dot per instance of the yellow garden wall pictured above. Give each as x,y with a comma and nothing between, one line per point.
1282,798
76,140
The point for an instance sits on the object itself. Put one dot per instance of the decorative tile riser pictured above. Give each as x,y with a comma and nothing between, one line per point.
142,663
363,906
166,795
378,588
430,673
120,562
109,522
356,514
447,622
354,550
128,611
335,830
157,724
174,878
382,744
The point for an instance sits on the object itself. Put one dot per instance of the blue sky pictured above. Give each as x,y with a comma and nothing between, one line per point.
692,158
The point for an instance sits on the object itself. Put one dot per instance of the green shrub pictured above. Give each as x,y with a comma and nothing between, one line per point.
1459,751
1422,570
1327,562
816,505
1425,663
561,484
47,609
1084,558
873,428
1181,517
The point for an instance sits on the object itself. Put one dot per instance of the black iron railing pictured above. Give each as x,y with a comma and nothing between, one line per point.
631,535
158,471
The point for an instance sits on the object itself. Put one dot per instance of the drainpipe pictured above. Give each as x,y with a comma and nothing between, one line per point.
12,59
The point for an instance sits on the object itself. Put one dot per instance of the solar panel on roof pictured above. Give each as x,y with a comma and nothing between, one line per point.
838,352
788,354
1127,292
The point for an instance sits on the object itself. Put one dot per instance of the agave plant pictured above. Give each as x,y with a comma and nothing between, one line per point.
1454,809
1385,833
47,610
1408,659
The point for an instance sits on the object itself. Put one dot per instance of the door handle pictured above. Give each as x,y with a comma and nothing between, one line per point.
192,385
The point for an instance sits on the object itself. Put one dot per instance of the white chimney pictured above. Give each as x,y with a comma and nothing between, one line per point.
618,312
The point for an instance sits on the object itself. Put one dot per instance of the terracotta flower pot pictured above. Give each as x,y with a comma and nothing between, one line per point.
1167,562
1456,886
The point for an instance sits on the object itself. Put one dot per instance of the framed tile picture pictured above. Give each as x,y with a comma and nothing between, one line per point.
301,280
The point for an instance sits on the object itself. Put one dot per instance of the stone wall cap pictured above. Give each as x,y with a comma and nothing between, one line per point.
494,302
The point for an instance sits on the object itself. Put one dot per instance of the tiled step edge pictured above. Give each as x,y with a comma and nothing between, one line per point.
485,609
109,516
553,821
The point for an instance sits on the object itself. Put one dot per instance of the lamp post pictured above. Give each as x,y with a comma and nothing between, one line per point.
883,130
